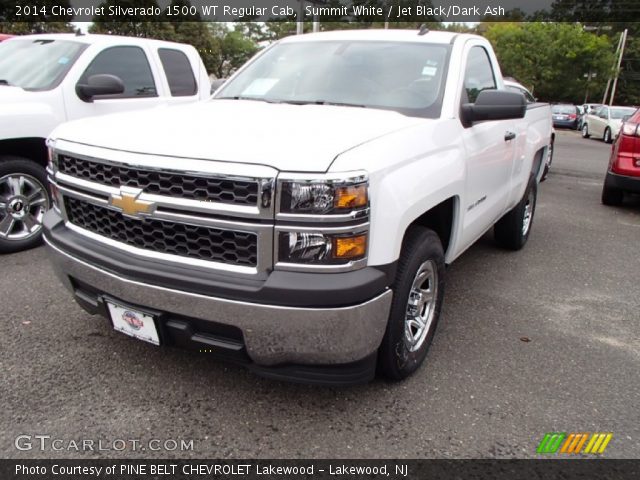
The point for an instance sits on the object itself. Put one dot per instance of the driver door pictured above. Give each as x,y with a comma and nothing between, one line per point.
490,147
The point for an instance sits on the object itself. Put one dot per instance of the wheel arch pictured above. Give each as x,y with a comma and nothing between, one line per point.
441,219
30,148
537,166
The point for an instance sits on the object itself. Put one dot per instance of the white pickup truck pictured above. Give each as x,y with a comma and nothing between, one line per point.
46,80
300,221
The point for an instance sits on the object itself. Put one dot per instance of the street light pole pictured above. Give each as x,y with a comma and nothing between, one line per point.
300,22
615,80
619,51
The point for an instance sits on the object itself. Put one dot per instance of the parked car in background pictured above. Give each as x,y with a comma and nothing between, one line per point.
565,116
605,122
4,36
623,174
586,109
46,80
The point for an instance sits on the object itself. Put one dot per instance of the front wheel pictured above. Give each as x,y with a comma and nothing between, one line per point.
23,202
607,135
417,303
585,131
512,230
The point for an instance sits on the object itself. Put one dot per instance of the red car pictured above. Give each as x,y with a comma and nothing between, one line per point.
623,174
4,36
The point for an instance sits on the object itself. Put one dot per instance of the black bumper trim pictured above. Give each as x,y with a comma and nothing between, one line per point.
622,182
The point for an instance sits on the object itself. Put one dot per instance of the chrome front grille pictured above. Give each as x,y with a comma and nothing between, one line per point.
212,215
192,241
162,182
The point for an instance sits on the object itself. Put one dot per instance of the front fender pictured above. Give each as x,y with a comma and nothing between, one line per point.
410,172
31,114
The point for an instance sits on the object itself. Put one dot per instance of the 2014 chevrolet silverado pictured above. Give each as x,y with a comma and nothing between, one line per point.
300,221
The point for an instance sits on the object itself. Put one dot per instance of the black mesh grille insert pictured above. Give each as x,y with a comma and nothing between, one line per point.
171,184
203,243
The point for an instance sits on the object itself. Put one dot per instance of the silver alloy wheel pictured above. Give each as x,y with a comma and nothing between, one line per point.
607,136
421,306
528,214
585,130
23,203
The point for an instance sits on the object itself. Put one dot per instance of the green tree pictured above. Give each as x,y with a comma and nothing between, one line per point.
628,90
233,49
257,31
132,25
193,31
40,23
559,61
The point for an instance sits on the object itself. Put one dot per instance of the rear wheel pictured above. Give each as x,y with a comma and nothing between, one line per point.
417,303
585,131
607,135
23,202
547,162
512,230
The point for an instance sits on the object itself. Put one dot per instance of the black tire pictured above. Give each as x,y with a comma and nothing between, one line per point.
612,196
510,232
11,238
548,161
397,357
606,137
585,131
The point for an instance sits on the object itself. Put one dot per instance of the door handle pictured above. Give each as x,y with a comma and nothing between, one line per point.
509,136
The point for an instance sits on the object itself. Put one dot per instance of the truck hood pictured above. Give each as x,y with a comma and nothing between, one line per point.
304,138
9,94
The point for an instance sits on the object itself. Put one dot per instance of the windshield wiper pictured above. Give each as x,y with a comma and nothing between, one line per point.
321,102
240,97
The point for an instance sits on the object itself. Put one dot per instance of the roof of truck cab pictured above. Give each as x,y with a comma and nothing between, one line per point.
92,39
374,34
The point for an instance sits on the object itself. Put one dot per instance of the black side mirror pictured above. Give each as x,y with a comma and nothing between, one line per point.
494,105
101,84
216,84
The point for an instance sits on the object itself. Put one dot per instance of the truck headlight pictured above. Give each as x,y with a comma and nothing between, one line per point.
322,221
322,248
324,197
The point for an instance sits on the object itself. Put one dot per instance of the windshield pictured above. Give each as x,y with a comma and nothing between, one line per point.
406,77
618,113
567,109
36,64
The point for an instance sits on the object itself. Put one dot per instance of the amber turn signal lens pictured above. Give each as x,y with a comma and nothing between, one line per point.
350,247
351,197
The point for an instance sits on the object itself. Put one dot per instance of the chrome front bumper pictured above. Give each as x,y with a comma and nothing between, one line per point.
273,335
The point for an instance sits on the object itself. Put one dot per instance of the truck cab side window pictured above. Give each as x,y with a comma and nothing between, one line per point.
478,75
130,64
179,73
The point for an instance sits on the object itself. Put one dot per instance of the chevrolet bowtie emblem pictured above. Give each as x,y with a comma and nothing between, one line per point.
128,202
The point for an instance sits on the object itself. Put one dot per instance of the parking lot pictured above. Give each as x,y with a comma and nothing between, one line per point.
542,340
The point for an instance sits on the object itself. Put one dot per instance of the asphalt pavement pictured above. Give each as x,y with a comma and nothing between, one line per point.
542,340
